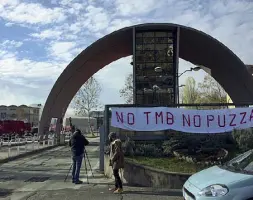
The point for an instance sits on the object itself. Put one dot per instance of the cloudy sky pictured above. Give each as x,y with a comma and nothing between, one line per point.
38,38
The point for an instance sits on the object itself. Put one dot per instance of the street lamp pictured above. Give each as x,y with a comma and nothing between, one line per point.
189,70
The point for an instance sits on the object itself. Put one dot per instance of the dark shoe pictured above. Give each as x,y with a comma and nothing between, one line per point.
73,181
79,182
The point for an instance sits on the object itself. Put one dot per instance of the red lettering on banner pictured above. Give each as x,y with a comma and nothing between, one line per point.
197,120
209,119
169,118
119,117
158,115
232,120
187,121
251,115
147,116
132,118
243,114
224,121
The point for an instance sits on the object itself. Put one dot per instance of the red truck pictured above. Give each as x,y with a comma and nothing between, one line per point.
13,126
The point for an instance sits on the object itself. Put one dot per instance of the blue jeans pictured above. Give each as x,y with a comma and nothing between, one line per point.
77,163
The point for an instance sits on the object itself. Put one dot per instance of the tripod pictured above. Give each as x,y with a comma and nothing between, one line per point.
85,156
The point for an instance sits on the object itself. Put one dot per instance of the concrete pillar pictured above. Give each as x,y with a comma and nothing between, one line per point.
58,131
102,144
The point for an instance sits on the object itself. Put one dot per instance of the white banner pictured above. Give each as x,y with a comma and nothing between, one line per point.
179,119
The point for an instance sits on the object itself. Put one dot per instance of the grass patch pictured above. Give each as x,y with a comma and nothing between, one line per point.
171,164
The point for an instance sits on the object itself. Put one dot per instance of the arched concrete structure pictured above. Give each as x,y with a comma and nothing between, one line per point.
194,46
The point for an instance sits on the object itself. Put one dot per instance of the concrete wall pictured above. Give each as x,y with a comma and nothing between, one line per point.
135,174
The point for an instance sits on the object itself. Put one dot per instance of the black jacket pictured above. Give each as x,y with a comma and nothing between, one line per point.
77,144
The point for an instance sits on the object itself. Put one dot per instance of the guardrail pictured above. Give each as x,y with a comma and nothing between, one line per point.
20,146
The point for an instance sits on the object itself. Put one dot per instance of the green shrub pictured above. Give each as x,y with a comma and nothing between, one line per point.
128,147
148,150
171,145
243,138
142,148
194,142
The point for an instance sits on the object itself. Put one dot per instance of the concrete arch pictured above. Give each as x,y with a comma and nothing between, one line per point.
194,46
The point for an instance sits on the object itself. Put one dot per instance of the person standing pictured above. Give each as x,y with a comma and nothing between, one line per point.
116,161
77,144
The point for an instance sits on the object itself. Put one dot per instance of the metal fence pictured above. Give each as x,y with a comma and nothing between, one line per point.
14,146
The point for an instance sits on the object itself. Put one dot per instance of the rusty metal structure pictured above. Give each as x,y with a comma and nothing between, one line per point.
190,44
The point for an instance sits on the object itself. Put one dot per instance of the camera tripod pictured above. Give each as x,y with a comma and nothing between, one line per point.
85,156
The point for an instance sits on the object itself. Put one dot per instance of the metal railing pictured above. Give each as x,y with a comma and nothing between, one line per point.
10,147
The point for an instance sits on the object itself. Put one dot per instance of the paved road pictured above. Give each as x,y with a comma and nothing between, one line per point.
41,177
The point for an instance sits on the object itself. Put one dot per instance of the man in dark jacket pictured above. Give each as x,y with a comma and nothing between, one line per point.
77,144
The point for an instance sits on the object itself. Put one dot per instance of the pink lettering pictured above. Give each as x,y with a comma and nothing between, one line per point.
232,120
158,115
186,121
147,116
209,118
130,118
251,115
197,120
119,117
169,118
243,114
224,121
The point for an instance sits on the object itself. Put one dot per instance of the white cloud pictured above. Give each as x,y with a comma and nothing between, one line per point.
96,18
136,7
30,13
62,50
10,44
47,34
117,24
82,22
6,54
11,67
113,75
17,96
8,2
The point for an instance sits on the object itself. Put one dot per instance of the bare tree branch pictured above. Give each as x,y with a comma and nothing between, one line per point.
87,98
190,93
127,91
211,91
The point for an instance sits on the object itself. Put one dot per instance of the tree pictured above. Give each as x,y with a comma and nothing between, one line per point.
190,93
87,99
127,91
211,91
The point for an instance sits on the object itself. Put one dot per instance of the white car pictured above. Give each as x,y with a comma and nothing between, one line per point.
231,181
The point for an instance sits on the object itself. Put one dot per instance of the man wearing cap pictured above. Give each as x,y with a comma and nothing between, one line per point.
116,160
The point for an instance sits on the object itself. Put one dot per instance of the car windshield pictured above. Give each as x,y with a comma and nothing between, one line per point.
243,162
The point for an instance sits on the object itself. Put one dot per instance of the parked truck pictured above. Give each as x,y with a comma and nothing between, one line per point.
14,127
